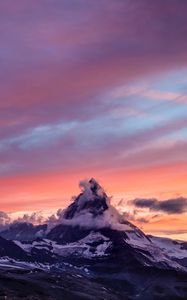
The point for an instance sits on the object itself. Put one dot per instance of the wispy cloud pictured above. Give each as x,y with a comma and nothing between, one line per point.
91,88
170,206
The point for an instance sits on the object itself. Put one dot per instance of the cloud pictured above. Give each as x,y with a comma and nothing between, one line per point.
134,216
170,206
142,220
64,62
170,232
4,220
35,218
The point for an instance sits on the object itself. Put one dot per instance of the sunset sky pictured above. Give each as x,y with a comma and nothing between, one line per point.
95,89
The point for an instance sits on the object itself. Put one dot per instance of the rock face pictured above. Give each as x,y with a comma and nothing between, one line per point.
11,250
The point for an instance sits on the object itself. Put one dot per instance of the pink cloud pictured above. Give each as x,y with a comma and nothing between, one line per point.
59,62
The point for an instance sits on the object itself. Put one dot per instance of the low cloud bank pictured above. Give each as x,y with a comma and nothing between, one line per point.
109,217
35,218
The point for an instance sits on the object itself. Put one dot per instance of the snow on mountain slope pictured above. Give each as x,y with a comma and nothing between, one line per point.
6,262
93,245
173,248
161,250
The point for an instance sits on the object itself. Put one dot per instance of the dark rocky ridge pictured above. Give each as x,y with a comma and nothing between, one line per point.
21,231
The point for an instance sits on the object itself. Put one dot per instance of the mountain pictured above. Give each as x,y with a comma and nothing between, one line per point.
92,239
92,228
21,231
11,250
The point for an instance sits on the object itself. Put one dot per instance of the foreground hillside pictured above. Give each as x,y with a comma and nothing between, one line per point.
37,284
23,284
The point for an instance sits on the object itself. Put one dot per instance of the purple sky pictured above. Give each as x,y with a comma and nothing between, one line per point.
92,88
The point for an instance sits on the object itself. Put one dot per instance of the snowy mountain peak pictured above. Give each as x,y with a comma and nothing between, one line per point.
92,200
92,210
95,187
91,188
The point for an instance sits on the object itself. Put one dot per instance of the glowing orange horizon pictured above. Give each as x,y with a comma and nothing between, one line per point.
38,190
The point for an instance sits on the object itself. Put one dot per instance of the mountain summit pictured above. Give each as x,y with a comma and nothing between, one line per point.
90,212
92,200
